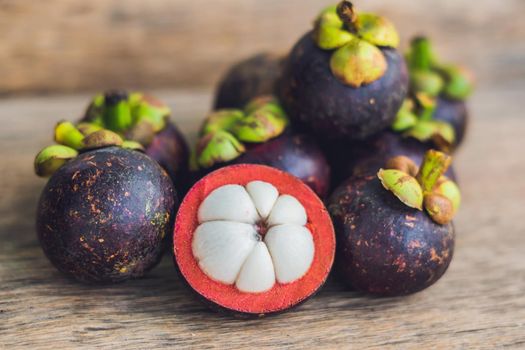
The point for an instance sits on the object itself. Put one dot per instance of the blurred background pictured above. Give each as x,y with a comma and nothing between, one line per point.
58,46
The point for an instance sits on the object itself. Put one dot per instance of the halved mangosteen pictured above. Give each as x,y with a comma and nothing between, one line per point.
104,212
394,230
247,79
142,118
253,240
259,134
345,79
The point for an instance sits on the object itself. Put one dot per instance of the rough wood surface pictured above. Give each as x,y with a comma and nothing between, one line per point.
479,303
66,45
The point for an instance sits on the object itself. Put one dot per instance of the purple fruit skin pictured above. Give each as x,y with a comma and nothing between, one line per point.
297,154
314,98
367,157
170,150
247,79
102,216
384,247
455,113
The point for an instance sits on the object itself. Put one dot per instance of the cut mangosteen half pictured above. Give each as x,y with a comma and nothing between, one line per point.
252,239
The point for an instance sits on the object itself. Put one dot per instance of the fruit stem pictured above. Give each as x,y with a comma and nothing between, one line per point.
421,54
117,114
435,164
347,13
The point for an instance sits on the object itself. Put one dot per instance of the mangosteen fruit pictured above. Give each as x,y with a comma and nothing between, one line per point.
435,109
394,231
144,119
105,210
247,79
345,79
259,134
253,240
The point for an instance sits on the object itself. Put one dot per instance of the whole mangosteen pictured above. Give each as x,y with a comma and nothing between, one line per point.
259,134
103,214
435,109
394,231
247,79
142,118
345,79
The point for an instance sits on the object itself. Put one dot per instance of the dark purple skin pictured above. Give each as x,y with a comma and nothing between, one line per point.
383,246
170,150
455,113
297,154
255,76
103,215
314,98
367,157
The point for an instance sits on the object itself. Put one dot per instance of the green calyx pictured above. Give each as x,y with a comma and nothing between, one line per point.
48,160
224,131
414,119
356,38
425,187
135,116
429,76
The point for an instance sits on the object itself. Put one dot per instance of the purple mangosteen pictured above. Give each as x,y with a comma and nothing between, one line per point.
104,212
394,231
345,79
247,79
259,134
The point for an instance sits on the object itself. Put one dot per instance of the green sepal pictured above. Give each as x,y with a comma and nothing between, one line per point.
217,147
405,117
223,119
51,158
261,125
87,128
426,81
147,107
357,63
433,130
329,38
377,30
143,131
459,82
329,17
134,145
403,186
102,138
450,190
68,135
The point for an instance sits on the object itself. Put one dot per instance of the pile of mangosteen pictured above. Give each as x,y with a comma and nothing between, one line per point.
338,153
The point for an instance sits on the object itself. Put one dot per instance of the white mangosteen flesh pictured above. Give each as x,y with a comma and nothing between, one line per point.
252,237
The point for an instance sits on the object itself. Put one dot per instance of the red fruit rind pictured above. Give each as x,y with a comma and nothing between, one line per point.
281,296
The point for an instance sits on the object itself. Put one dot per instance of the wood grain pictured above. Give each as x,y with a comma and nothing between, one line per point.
74,45
479,303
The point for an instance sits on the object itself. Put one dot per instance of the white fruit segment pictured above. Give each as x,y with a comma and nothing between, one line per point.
229,248
221,247
287,210
292,251
263,195
228,203
257,274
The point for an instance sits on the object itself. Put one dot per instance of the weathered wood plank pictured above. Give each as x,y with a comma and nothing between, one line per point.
478,304
71,45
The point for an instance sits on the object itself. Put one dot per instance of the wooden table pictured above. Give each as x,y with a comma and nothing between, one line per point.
479,303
